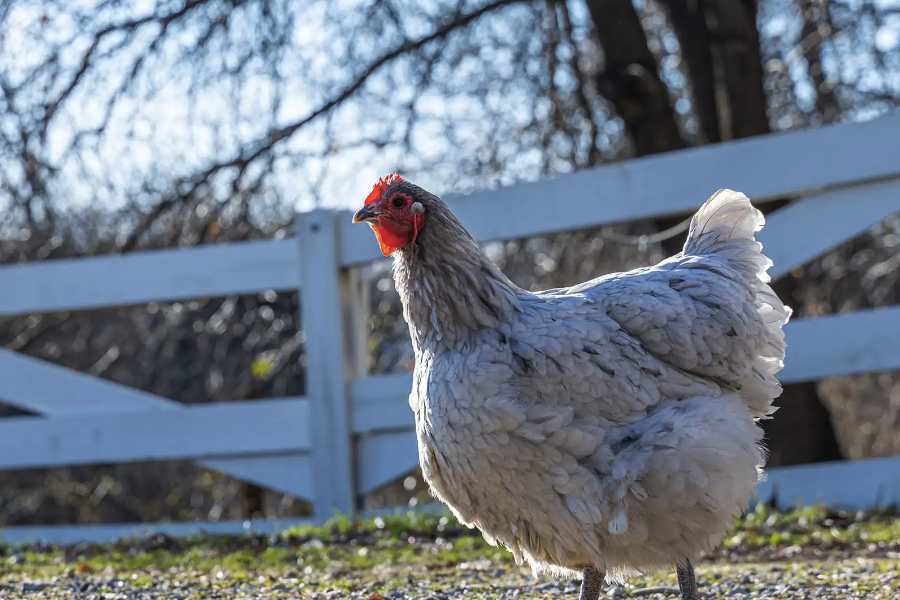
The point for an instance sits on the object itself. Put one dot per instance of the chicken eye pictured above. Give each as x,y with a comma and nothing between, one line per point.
398,201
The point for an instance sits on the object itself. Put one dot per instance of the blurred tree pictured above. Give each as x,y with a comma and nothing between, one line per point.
127,126
719,34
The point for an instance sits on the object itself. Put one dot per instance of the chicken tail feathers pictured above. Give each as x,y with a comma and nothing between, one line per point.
724,227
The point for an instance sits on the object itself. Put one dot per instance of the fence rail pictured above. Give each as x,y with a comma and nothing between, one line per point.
200,431
353,433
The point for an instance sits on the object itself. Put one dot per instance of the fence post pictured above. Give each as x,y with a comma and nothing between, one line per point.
333,319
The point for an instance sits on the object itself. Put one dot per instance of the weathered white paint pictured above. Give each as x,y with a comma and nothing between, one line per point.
200,431
323,307
155,276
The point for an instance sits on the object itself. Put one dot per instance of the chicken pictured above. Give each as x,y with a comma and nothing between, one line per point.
597,430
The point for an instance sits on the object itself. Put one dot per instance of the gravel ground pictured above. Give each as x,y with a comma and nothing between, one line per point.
804,554
858,578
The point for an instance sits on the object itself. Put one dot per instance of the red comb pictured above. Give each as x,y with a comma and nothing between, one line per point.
378,190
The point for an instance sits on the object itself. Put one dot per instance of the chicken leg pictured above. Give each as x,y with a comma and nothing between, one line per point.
591,584
687,582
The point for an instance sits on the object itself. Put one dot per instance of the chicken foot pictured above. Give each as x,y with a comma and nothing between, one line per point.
591,584
687,582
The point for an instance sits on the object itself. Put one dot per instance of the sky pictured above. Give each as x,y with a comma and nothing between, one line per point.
160,131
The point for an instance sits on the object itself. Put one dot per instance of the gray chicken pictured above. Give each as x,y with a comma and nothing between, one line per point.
597,430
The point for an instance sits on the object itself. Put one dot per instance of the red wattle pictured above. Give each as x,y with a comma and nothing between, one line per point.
391,235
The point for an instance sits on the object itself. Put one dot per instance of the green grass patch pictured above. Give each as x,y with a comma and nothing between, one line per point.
425,541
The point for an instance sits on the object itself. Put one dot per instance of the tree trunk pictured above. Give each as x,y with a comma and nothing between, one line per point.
738,57
816,29
630,79
689,21
720,44
801,431
253,498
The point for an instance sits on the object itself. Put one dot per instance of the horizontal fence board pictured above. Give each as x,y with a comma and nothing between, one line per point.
67,535
291,474
386,401
39,386
849,485
377,405
831,156
806,229
153,276
55,391
865,341
384,457
199,431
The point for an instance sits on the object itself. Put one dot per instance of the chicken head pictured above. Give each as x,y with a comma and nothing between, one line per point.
392,213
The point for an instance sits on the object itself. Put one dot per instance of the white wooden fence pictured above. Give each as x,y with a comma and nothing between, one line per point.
352,433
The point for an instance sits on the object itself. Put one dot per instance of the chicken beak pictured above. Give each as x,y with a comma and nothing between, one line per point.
365,214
